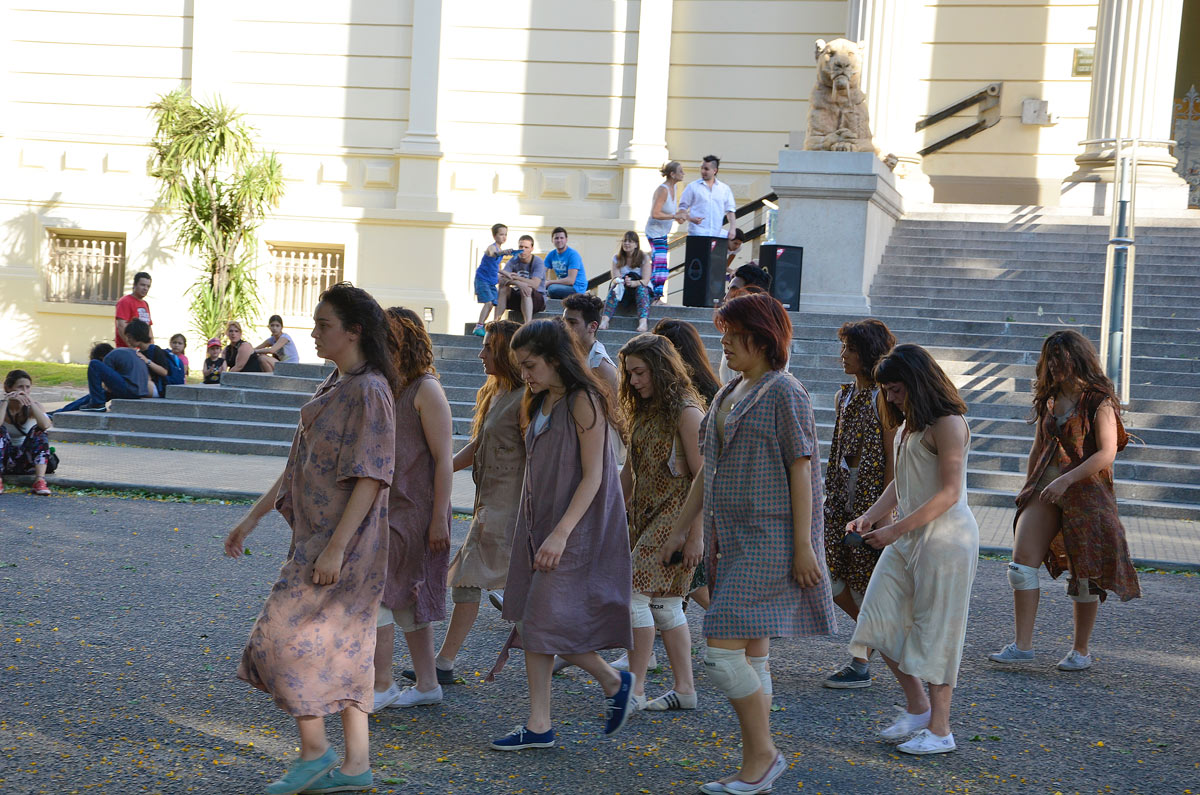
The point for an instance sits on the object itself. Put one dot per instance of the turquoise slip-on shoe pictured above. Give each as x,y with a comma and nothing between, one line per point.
337,781
302,774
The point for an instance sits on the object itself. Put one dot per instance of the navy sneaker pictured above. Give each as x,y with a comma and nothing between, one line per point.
443,677
521,738
849,678
618,706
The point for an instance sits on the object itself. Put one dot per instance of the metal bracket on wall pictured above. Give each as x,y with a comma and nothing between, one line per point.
987,98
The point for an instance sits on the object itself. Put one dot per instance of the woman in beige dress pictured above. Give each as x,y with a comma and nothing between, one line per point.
915,608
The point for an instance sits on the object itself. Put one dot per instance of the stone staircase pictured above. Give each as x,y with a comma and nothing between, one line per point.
980,294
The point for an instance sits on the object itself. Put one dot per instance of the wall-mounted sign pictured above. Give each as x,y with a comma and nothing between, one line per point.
1081,66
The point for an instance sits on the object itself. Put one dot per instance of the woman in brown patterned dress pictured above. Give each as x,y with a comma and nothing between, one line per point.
664,414
860,467
1067,511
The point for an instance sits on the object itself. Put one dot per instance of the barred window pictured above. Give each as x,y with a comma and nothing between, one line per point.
299,273
85,267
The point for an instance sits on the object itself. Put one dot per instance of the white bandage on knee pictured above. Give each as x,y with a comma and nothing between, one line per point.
639,610
836,587
1022,577
763,671
667,612
730,672
1085,594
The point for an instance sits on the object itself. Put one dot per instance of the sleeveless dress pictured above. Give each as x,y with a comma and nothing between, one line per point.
416,577
657,232
498,470
660,488
916,605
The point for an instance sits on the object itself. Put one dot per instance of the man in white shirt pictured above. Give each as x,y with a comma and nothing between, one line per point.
707,204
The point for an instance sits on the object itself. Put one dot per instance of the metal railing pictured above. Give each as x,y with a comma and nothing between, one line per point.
85,267
987,98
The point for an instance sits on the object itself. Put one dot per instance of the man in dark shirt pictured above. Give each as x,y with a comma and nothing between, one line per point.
122,373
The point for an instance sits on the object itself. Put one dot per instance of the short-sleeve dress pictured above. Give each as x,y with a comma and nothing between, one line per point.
416,577
313,646
498,470
748,514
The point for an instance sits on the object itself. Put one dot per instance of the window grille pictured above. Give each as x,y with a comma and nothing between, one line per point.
299,273
85,267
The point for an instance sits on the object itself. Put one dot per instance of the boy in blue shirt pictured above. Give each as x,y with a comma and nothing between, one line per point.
567,265
487,275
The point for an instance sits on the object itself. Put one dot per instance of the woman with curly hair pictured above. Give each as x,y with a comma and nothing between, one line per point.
496,455
1067,511
664,413
860,467
418,518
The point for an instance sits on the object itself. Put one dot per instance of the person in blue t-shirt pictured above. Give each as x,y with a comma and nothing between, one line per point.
487,276
567,265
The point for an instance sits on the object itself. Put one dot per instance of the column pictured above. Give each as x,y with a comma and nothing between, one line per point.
895,96
421,137
647,150
210,53
1133,86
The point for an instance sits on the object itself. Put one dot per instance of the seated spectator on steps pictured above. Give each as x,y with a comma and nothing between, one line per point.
564,268
749,276
24,444
240,356
117,373
179,348
630,279
279,344
523,282
214,364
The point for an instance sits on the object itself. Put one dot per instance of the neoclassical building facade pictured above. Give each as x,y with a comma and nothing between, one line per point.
406,128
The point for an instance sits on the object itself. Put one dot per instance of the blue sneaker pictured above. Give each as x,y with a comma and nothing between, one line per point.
521,738
479,331
337,781
302,775
617,706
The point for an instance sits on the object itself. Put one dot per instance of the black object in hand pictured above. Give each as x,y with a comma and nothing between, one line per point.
676,558
852,540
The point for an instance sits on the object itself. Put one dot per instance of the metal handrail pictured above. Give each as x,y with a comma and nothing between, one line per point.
988,96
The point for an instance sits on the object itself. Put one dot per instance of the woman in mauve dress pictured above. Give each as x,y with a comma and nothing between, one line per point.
496,455
313,645
915,609
569,572
1067,511
664,413
418,519
760,492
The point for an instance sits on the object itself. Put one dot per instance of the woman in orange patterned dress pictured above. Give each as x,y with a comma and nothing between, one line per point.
664,413
1067,511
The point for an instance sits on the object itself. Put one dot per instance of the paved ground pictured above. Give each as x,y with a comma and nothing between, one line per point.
121,625
1169,541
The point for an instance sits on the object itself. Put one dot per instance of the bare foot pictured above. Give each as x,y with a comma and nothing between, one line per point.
603,323
642,325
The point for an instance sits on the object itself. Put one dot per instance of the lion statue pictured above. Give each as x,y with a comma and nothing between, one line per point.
837,115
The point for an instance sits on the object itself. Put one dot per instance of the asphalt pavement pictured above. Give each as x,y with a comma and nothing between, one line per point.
121,625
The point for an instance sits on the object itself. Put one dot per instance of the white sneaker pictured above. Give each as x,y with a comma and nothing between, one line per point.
672,700
926,742
622,662
905,725
1074,661
411,697
387,698
1010,654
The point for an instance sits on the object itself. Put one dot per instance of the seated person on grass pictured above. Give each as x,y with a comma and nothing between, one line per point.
24,444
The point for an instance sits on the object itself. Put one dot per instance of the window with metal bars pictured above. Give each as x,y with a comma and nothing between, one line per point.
299,273
85,267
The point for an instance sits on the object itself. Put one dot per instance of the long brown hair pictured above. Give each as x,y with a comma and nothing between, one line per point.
552,340
687,342
870,339
1069,363
506,378
633,259
931,393
673,390
414,349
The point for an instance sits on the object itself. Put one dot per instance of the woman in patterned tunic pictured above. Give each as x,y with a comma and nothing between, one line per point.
663,411
496,455
760,491
916,605
860,467
313,643
418,518
1067,511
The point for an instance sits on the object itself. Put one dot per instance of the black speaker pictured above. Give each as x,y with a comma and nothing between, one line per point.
786,265
704,270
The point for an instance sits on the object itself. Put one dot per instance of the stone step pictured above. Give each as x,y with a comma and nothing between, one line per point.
1128,491
1043,273
899,299
261,395
1074,290
1059,302
1032,250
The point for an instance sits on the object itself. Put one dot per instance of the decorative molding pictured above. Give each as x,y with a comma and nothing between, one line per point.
556,185
378,175
335,172
600,185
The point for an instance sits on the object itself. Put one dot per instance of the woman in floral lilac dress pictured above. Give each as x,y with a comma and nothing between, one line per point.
313,645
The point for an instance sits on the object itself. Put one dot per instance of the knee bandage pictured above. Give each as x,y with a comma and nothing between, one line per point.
763,671
730,672
1085,594
1022,577
639,610
465,595
836,587
667,612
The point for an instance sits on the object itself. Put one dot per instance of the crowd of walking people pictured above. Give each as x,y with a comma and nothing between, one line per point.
720,500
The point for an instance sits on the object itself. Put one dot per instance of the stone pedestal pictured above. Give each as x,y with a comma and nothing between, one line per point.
841,207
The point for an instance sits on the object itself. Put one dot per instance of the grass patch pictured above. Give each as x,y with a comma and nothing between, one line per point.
143,494
50,373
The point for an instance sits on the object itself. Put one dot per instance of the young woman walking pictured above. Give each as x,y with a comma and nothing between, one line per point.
915,608
1067,511
860,467
313,643
664,413
569,574
760,492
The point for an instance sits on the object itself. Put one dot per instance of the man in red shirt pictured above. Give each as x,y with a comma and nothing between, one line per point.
134,307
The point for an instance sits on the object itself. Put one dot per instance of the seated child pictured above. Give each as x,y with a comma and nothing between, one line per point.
214,365
279,345
179,347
